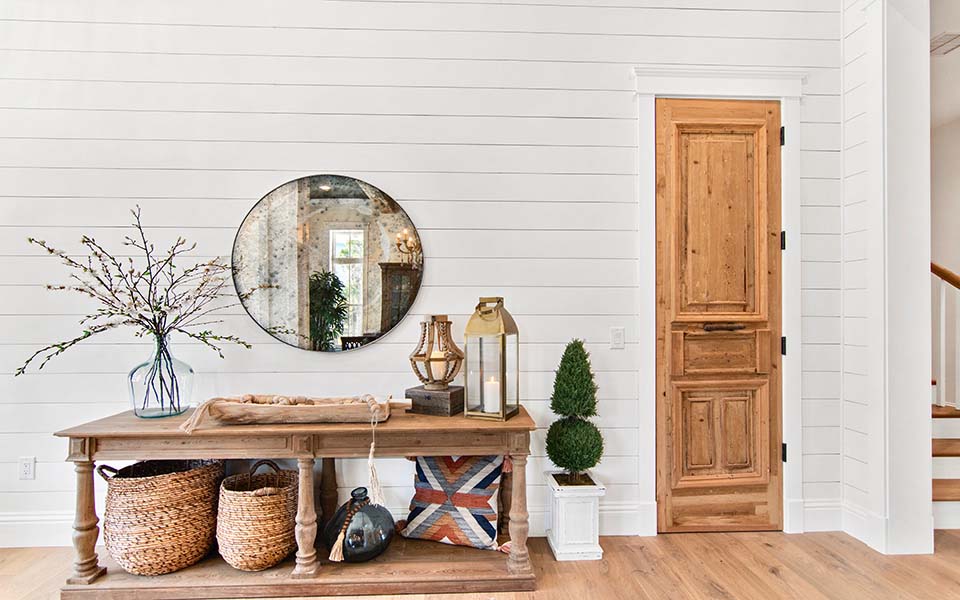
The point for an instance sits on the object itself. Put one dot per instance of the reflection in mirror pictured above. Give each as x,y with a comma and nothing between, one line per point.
339,263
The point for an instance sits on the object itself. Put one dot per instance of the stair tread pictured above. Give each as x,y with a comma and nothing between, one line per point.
946,490
945,412
946,447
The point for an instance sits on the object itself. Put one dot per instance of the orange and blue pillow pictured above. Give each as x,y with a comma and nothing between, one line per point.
456,500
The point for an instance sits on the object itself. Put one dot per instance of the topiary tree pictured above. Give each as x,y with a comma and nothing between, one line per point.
573,442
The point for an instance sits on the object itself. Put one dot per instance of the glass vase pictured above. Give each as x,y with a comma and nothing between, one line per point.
161,386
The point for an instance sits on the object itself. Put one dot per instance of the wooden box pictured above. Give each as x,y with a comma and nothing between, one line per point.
444,403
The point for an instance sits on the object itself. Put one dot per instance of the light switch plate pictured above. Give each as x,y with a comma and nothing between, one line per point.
617,336
27,467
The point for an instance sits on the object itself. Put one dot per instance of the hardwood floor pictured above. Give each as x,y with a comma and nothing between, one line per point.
713,565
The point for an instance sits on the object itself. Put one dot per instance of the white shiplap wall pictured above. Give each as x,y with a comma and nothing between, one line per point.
863,269
506,130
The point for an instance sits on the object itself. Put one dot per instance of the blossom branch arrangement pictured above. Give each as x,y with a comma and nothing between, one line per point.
153,295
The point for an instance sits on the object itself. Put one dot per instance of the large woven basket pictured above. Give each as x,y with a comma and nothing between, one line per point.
160,515
257,519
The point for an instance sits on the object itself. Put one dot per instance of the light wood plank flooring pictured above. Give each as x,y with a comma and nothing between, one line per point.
714,565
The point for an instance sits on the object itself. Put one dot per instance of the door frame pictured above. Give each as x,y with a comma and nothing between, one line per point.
730,83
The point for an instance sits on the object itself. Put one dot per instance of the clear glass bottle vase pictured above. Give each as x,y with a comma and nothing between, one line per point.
161,386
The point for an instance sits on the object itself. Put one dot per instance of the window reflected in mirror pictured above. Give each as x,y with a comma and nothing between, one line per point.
337,262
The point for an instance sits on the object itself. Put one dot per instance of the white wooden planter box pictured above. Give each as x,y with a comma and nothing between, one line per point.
574,532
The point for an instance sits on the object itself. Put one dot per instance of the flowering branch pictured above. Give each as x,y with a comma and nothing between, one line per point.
155,297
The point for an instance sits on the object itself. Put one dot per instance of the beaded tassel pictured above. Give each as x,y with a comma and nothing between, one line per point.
336,552
376,490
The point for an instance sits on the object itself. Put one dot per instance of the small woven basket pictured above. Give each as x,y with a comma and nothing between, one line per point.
160,515
257,520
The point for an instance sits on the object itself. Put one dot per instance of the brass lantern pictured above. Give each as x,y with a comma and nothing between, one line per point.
437,353
492,356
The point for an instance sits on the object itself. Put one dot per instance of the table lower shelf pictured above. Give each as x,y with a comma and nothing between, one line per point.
407,567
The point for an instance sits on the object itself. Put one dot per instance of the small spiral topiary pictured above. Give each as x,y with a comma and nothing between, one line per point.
574,443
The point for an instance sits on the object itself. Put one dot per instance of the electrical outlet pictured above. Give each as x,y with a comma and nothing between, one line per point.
617,338
27,467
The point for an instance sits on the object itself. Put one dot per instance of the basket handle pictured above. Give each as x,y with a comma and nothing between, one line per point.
102,468
269,463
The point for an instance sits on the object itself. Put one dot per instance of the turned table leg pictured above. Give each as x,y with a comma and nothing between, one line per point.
86,568
519,560
506,494
328,489
306,531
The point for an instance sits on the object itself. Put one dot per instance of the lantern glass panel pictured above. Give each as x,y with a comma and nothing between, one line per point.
512,373
483,374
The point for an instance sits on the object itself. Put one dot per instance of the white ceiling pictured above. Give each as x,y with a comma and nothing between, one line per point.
944,70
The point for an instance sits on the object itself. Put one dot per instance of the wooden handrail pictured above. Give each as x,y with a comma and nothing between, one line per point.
945,274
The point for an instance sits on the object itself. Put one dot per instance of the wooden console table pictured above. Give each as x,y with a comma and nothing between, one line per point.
407,567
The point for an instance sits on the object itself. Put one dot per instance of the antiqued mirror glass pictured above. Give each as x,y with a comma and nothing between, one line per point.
339,263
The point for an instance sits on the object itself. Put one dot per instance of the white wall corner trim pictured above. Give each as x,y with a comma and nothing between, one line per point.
663,80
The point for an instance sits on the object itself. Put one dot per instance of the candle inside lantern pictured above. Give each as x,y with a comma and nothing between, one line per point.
491,395
436,363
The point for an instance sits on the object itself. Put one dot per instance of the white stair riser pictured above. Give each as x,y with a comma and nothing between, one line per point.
946,467
946,428
946,515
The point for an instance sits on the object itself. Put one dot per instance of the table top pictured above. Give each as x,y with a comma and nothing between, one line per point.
127,425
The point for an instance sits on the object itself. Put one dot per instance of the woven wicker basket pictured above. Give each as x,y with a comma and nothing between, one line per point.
255,526
160,515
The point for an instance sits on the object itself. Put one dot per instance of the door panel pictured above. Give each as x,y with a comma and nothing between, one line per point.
718,315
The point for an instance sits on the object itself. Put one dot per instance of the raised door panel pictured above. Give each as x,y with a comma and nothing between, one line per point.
720,221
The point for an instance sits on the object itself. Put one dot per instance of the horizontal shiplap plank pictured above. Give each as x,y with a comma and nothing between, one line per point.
341,100
395,130
439,272
43,329
425,214
50,387
218,241
448,44
386,356
437,300
473,16
344,71
821,357
142,9
200,185
295,156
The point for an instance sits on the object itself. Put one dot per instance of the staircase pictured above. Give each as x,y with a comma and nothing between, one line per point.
946,397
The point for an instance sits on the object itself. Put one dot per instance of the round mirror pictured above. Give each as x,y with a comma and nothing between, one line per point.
336,263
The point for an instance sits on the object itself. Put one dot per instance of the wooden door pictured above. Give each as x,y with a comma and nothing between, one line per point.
718,315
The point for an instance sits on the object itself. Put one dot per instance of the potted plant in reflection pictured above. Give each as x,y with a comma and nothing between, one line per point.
575,445
328,310
149,291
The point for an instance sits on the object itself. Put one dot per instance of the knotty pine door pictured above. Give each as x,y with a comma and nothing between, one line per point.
718,315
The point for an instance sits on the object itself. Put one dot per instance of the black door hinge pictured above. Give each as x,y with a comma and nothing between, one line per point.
783,345
783,240
783,452
783,136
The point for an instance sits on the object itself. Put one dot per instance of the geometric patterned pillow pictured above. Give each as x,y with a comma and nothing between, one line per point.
456,500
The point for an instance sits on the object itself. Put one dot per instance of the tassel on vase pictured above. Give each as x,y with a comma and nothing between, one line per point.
376,490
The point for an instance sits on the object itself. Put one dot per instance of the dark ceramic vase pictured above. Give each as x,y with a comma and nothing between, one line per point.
369,532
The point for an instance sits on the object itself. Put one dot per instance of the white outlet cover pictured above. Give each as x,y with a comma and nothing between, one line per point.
617,338
27,467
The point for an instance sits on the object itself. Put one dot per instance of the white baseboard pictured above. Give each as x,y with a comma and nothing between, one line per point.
793,516
868,527
822,515
23,529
